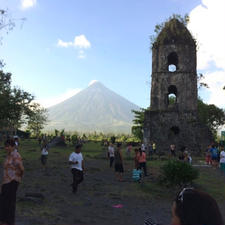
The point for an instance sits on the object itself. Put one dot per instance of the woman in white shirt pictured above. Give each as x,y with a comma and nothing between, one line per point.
222,160
44,155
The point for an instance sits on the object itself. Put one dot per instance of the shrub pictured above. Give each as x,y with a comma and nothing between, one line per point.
175,173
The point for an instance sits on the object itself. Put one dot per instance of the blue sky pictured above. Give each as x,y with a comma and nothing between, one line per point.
64,45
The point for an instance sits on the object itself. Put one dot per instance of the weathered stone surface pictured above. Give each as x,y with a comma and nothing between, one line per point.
174,123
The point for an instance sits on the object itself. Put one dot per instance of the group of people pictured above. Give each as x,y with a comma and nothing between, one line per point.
182,209
115,157
215,156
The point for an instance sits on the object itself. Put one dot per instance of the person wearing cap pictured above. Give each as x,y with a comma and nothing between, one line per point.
76,162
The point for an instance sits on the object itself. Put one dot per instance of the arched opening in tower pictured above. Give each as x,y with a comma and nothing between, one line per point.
172,61
175,130
172,95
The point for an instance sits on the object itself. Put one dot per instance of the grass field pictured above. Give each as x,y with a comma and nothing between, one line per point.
93,204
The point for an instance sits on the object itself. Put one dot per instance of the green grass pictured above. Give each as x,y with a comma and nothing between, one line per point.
211,181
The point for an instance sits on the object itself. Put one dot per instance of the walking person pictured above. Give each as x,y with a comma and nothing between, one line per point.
111,154
76,162
119,163
12,176
142,161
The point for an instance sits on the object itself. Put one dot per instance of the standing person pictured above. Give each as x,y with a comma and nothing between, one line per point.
154,147
208,159
12,176
129,150
143,147
76,162
16,140
142,161
150,149
136,164
111,154
119,163
215,156
44,155
222,160
172,150
187,157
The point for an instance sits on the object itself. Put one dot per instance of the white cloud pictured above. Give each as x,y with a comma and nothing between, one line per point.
64,44
216,82
81,54
48,102
79,42
25,4
92,82
207,22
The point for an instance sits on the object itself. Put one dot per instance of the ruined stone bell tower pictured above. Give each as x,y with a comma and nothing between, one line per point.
173,118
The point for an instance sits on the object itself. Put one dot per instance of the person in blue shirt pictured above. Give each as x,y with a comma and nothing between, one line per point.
214,156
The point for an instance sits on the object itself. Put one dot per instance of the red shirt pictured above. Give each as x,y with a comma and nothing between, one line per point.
141,157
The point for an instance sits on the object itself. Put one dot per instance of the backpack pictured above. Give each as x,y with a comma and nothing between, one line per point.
136,175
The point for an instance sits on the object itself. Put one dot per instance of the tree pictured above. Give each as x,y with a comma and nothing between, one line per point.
7,23
211,115
137,129
37,118
14,103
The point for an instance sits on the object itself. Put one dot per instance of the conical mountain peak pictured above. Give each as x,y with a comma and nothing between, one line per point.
95,108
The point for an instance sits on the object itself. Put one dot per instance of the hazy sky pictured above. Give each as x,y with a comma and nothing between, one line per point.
65,44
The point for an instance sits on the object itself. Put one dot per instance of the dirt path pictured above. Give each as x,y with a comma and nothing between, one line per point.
93,204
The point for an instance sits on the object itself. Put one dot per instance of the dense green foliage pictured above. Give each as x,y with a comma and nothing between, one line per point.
211,115
168,24
17,108
37,119
178,173
137,129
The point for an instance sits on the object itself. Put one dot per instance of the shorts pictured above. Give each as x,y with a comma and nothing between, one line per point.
222,167
172,152
119,168
44,159
215,158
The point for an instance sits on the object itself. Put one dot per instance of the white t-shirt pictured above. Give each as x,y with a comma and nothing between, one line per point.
111,151
222,157
44,151
76,157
